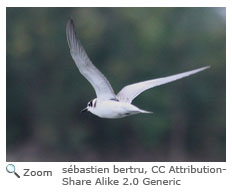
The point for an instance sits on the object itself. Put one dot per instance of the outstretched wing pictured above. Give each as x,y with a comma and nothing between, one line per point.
99,82
128,93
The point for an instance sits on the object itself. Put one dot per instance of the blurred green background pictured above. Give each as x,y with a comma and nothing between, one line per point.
45,91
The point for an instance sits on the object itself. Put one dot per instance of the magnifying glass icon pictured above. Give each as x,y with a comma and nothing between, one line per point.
10,168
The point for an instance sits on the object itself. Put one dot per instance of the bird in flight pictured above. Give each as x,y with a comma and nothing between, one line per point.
108,104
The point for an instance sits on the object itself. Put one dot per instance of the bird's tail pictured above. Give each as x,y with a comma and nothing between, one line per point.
143,111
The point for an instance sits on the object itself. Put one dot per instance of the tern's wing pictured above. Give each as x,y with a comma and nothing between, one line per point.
128,93
99,82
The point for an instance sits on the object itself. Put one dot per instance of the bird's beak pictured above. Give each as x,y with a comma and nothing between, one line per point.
84,110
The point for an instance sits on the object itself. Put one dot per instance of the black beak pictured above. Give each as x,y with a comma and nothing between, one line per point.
84,110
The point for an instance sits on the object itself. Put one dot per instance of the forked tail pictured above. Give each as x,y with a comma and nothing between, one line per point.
143,111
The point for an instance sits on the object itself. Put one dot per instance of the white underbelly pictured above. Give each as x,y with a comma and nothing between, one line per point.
114,109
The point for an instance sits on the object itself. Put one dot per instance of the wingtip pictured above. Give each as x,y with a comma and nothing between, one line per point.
70,21
206,67
202,68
